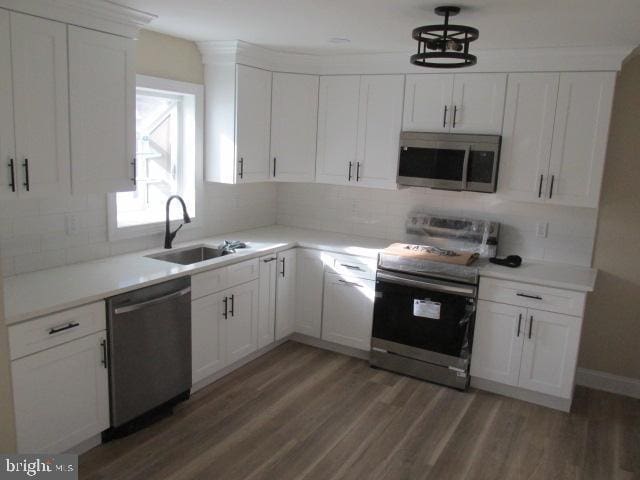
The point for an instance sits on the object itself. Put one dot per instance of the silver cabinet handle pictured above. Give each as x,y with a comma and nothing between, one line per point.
351,284
351,267
148,303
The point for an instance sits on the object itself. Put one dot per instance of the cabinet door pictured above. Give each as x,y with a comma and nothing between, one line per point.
294,124
7,146
102,93
478,103
61,395
208,335
337,129
267,302
242,321
253,118
427,103
286,294
381,98
309,285
41,104
497,342
550,353
526,135
348,311
580,137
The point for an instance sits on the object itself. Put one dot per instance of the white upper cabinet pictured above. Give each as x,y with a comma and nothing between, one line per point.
294,123
460,103
7,147
478,103
427,102
102,111
580,137
41,105
380,114
237,123
359,122
527,135
555,137
337,129
253,117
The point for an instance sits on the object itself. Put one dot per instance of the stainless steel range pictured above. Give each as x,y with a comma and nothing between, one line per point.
426,295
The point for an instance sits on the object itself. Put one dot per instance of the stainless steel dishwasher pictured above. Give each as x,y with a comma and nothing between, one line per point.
149,337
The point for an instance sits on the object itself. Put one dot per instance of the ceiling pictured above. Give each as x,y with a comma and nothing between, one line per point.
385,25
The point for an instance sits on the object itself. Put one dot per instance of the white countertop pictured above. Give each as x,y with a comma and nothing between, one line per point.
39,293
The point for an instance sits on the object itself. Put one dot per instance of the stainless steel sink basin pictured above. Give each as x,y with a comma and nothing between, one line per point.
190,255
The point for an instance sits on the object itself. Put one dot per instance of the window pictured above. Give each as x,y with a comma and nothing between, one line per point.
168,158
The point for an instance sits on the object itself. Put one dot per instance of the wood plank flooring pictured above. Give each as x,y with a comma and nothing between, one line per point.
299,412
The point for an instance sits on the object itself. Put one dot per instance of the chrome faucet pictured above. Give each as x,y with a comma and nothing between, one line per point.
168,234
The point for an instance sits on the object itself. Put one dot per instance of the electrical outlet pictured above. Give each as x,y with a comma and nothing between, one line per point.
542,229
72,226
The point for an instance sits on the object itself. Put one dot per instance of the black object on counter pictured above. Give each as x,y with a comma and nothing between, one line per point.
512,261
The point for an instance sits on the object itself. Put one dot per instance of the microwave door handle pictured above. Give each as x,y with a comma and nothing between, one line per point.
465,167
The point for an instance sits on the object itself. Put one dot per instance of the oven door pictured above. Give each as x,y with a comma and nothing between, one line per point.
424,318
440,165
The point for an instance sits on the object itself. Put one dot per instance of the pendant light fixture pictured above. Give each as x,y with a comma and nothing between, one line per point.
444,46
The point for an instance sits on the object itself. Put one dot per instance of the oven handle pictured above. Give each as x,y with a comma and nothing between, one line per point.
426,284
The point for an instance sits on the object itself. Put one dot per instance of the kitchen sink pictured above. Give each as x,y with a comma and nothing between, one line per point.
191,255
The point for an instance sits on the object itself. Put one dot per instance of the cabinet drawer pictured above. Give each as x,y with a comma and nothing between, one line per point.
532,296
348,265
244,272
46,332
209,282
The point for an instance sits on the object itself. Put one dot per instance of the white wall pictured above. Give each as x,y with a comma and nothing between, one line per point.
381,213
32,232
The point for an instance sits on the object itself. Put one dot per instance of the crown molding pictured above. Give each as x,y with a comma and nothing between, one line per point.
560,59
102,15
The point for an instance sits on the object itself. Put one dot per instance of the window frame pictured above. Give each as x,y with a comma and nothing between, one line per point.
195,109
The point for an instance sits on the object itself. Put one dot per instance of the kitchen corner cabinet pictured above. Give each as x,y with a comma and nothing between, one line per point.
267,301
554,137
294,124
456,103
359,123
238,118
286,293
35,101
102,111
532,342
348,310
309,291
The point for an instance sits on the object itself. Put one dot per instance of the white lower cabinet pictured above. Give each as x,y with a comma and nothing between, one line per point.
286,294
267,301
207,336
61,395
224,328
348,311
523,347
309,288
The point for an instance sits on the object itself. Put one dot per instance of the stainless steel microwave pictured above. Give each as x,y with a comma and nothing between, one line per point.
449,161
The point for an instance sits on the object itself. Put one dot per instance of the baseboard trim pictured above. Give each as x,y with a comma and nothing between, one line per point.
334,347
543,399
85,445
608,382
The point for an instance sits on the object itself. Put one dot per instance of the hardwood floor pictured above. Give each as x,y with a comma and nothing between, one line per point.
302,412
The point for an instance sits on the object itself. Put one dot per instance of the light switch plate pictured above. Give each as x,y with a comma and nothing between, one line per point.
542,228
